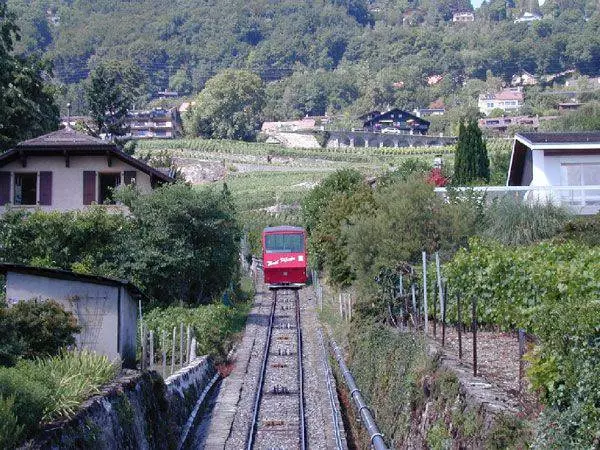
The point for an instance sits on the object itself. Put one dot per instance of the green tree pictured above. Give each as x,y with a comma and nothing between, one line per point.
471,162
27,108
184,244
229,107
111,90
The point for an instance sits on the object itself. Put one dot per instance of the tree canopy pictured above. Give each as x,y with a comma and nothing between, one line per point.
111,90
27,106
316,57
228,107
471,162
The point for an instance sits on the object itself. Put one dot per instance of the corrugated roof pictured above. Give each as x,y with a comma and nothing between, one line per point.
69,275
283,228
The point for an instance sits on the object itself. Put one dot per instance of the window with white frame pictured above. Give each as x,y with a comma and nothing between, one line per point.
580,174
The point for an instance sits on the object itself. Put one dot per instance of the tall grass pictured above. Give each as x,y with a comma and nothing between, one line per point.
512,222
43,390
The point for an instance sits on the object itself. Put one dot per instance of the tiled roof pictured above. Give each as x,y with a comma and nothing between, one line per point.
503,95
66,137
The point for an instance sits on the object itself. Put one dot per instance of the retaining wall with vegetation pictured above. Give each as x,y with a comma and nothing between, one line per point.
139,410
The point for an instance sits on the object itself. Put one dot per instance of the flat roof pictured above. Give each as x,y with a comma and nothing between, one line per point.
533,139
70,275
283,228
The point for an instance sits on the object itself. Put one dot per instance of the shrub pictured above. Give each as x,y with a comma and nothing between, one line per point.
552,291
10,430
31,398
47,389
43,327
213,325
582,229
11,345
512,222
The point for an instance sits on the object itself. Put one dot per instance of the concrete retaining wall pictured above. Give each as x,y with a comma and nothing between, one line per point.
137,411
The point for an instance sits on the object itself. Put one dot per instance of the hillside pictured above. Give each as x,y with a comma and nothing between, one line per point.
329,56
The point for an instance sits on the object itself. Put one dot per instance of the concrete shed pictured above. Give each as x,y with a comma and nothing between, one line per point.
105,308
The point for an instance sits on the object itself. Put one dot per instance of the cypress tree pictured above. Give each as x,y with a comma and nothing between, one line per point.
471,162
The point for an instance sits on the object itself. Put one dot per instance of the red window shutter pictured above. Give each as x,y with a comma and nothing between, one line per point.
129,176
4,188
45,188
89,187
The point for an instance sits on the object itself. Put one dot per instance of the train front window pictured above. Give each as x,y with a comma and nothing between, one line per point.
284,243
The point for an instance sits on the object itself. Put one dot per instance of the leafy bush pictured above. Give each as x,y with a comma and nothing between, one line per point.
11,345
582,229
48,389
512,222
213,325
42,327
10,430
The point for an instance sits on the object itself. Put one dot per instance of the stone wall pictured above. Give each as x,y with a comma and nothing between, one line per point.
137,411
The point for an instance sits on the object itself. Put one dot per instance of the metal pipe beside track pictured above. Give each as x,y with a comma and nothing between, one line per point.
363,410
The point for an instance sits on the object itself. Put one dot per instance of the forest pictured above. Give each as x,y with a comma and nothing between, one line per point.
315,57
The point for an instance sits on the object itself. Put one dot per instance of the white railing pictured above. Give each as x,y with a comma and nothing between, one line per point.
579,199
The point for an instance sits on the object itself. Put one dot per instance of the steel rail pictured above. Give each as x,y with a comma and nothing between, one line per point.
263,370
300,373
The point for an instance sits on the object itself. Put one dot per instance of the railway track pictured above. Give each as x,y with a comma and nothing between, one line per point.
278,419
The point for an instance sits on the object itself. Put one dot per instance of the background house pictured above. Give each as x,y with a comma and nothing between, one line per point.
395,120
105,308
465,16
528,17
507,100
156,123
66,170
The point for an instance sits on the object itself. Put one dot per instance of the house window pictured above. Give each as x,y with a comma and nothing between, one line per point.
582,174
25,192
490,105
108,182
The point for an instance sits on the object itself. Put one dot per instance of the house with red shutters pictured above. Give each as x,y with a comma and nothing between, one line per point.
68,170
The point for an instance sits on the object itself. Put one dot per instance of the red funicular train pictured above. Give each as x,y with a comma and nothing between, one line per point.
284,256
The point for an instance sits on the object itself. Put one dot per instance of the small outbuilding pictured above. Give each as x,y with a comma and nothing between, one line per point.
105,308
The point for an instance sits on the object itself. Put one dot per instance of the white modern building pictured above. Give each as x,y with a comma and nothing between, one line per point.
561,168
567,164
508,100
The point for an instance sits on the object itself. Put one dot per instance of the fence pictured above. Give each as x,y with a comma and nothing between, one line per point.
581,200
167,351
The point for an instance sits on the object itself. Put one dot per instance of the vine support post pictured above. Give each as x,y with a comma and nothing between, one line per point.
474,325
151,339
443,306
425,312
181,345
414,304
521,353
460,324
188,341
163,347
440,282
144,341
173,350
